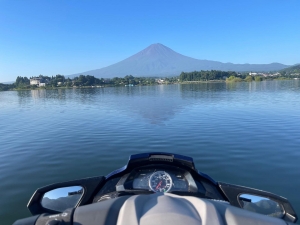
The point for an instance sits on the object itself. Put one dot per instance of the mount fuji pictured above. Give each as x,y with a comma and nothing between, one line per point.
159,60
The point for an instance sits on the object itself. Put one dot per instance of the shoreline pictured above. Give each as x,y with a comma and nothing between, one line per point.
180,82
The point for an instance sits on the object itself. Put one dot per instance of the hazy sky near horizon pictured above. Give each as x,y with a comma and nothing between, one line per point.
73,36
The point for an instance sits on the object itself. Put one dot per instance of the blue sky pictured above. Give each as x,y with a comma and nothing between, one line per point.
72,36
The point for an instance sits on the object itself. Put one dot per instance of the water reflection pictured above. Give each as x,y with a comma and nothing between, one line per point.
24,97
155,104
43,93
273,86
211,87
87,96
202,91
38,93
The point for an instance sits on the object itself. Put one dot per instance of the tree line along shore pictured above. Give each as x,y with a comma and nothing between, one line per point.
60,81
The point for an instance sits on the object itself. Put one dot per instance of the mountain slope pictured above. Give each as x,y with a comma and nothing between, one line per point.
292,69
159,60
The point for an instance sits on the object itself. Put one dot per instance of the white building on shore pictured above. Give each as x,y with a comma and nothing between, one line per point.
37,81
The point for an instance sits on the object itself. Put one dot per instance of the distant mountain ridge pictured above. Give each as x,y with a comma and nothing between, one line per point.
292,69
159,60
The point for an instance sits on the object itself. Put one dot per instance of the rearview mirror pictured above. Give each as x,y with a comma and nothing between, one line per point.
262,205
61,199
259,201
38,203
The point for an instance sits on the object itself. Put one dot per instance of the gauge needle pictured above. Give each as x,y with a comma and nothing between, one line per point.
158,185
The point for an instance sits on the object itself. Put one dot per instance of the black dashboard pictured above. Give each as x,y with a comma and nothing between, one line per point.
160,179
156,178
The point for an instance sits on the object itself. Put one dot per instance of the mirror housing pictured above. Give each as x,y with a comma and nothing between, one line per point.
89,186
60,199
233,193
262,205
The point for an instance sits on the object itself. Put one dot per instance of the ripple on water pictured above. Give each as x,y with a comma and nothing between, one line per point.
245,133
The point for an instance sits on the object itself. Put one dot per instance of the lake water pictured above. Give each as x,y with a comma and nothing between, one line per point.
241,133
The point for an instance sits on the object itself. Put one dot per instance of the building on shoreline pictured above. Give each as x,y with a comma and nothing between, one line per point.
37,81
265,74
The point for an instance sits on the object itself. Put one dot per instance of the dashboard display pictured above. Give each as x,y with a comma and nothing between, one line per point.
160,181
156,178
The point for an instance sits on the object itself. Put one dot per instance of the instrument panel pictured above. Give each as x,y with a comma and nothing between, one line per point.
159,179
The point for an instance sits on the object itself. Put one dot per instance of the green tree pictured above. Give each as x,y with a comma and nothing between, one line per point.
231,78
22,82
258,78
249,78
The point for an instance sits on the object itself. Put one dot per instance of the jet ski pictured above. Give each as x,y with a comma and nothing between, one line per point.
155,188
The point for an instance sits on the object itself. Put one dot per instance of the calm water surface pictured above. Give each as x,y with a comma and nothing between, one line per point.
242,133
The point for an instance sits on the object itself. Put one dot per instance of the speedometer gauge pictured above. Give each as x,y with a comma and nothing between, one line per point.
160,181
